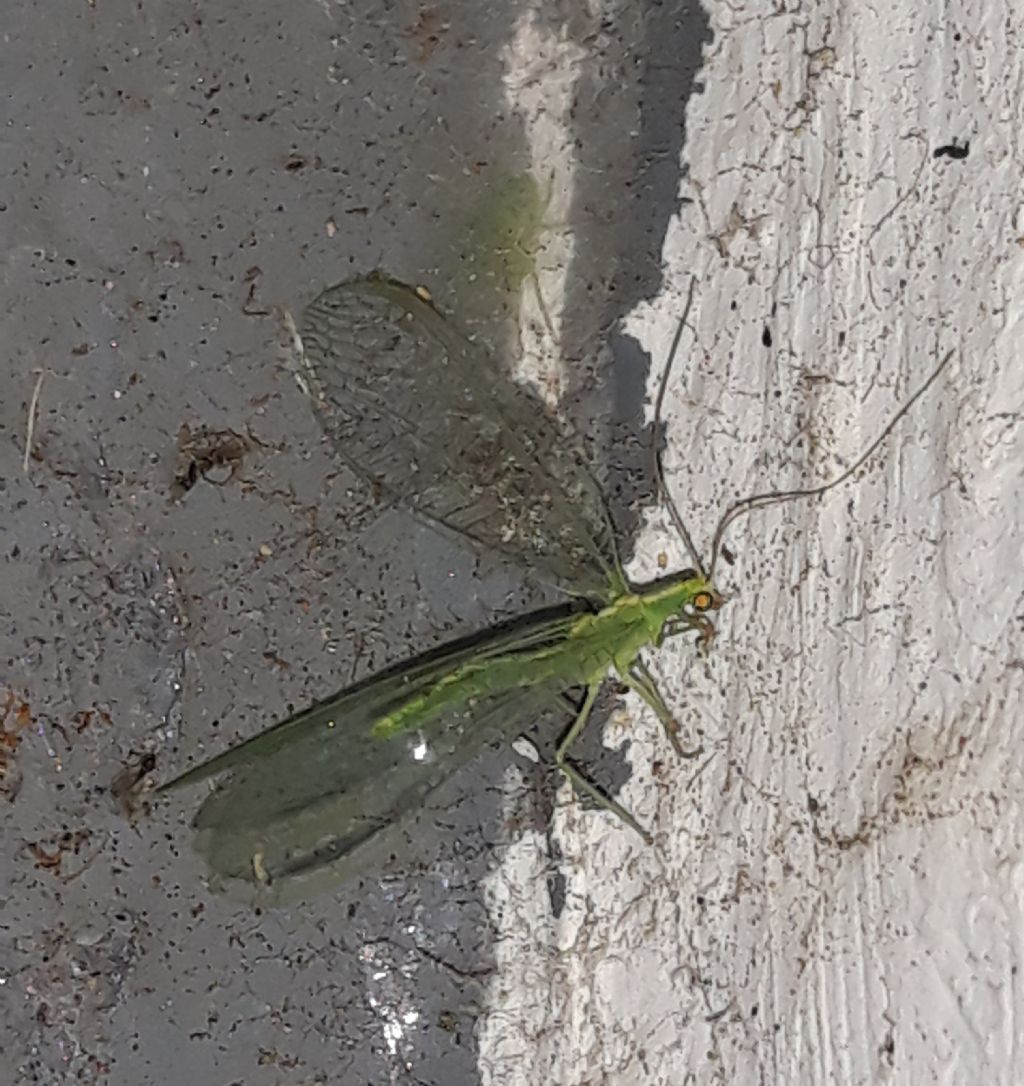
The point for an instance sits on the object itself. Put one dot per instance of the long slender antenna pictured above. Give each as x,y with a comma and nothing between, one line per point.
659,471
759,501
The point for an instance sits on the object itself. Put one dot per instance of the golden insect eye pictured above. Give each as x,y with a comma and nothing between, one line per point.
702,601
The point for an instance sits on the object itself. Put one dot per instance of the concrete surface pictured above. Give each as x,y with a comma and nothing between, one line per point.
184,562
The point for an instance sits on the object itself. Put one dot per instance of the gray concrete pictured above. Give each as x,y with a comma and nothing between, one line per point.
174,174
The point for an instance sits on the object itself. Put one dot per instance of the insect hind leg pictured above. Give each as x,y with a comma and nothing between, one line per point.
640,679
579,781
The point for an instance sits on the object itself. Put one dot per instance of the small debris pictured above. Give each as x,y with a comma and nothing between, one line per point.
85,717
201,453
130,784
259,869
49,856
30,429
953,150
251,308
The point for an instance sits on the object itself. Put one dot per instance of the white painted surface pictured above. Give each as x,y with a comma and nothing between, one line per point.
837,890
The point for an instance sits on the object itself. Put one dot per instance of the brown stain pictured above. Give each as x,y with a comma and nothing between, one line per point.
425,32
15,718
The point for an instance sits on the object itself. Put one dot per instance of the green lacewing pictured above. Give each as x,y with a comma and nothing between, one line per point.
424,415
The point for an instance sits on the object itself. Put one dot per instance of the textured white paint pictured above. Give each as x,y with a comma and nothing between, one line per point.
837,889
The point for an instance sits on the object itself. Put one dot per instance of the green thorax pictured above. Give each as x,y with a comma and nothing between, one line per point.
614,636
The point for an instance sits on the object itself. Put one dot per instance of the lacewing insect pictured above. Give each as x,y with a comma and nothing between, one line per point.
425,416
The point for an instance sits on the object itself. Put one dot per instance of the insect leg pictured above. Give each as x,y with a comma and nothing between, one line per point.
576,778
701,623
639,678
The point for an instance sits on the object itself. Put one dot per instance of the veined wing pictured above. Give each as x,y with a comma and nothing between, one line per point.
430,419
319,796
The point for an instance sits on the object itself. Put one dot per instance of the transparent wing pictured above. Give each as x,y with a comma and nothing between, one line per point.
429,418
319,797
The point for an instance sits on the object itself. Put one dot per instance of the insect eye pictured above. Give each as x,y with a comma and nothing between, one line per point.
702,601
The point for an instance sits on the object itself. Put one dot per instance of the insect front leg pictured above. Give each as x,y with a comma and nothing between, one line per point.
639,678
576,778
701,623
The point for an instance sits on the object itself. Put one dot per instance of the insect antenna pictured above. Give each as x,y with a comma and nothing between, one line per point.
659,470
774,497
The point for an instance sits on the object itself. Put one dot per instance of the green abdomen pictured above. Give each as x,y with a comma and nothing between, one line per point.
594,644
